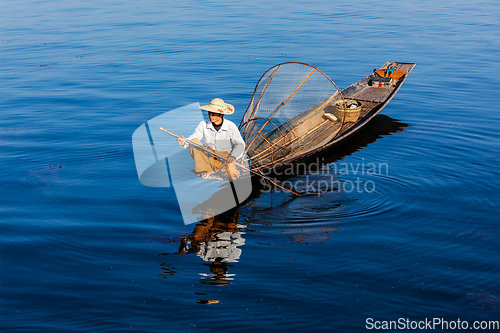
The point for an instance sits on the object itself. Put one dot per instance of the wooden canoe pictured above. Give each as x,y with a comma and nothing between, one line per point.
271,145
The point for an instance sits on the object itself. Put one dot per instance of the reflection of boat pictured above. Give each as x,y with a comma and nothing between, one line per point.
296,111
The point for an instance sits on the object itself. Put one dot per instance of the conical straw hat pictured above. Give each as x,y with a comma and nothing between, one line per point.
217,105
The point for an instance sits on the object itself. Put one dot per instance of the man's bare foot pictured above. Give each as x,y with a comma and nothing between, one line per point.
206,174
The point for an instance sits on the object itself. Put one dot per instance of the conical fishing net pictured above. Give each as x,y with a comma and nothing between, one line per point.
288,114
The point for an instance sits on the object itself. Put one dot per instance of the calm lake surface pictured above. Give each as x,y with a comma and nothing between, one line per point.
86,247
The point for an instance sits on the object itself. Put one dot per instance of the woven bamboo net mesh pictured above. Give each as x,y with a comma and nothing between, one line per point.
282,116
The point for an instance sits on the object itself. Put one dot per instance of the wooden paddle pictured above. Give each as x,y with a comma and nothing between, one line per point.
200,147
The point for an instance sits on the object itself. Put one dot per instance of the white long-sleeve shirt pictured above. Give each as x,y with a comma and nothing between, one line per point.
227,138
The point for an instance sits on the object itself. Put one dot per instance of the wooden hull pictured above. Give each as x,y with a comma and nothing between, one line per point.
312,131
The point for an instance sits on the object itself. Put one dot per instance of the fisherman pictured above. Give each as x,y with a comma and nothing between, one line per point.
220,136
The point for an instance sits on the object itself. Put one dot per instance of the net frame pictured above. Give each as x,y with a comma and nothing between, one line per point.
249,125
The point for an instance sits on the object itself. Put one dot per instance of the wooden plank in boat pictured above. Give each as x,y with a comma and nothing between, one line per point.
407,67
357,94
372,94
399,66
382,97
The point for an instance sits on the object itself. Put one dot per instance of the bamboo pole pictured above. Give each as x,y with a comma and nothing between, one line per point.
200,147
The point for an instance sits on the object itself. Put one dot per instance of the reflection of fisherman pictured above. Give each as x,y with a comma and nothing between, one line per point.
222,246
216,240
221,136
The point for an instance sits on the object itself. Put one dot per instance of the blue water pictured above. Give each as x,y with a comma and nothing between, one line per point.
86,247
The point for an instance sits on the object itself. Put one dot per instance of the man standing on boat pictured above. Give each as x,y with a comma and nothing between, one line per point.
221,136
